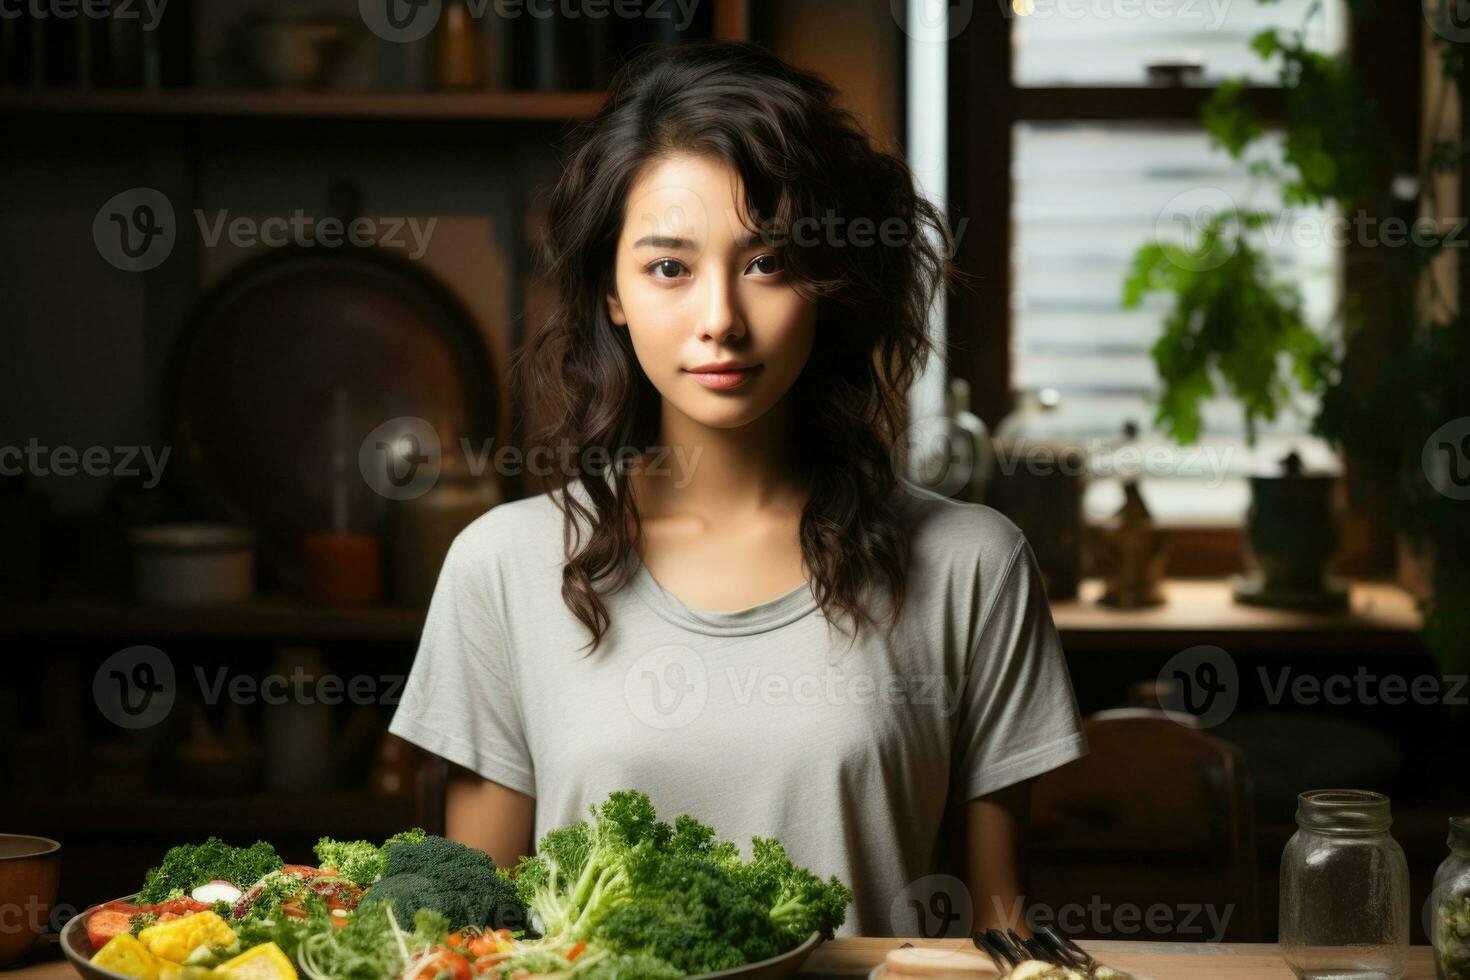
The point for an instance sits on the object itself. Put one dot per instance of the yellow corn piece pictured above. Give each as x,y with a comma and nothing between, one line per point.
176,939
265,962
125,954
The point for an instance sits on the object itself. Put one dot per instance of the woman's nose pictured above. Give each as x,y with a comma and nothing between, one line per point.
721,320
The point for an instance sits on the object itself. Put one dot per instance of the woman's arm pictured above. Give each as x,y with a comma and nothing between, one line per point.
995,845
489,816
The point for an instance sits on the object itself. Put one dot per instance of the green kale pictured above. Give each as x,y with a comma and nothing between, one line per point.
188,866
288,932
627,966
371,946
694,914
265,898
579,872
800,903
637,886
459,882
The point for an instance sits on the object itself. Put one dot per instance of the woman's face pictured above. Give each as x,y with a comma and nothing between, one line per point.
697,290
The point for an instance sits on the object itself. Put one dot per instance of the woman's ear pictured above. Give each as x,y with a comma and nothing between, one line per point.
615,310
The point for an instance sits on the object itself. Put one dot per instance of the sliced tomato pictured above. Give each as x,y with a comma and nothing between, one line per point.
482,946
490,964
443,960
339,894
177,906
104,923
305,871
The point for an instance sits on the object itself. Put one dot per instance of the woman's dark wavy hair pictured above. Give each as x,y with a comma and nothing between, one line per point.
800,156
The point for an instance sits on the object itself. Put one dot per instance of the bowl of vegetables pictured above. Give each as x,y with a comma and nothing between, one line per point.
619,896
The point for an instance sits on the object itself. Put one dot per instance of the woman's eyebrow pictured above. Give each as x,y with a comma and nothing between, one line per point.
663,241
675,242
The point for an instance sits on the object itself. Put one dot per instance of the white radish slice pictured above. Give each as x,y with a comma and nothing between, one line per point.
216,891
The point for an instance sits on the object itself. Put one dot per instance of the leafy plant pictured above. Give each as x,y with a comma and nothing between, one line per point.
1232,318
1382,392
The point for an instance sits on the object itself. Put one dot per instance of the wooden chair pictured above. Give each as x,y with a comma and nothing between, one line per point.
1157,813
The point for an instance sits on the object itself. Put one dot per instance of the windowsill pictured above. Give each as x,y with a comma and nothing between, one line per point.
1208,606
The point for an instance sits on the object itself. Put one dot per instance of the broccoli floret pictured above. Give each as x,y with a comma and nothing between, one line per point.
447,877
188,866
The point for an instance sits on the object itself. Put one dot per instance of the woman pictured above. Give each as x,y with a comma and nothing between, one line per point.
729,600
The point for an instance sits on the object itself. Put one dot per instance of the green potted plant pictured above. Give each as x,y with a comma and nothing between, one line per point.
1390,397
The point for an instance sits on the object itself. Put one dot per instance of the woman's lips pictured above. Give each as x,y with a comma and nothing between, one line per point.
724,380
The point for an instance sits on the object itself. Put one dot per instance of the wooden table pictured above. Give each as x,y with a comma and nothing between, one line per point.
856,956
852,957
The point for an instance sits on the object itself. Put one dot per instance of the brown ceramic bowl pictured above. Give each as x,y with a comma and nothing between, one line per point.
29,867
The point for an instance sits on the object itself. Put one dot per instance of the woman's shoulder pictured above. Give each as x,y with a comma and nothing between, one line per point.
514,532
946,532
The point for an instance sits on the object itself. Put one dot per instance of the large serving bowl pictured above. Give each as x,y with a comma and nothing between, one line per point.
78,950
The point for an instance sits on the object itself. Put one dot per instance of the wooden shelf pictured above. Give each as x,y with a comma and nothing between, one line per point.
205,104
266,618
1207,605
1381,616
178,817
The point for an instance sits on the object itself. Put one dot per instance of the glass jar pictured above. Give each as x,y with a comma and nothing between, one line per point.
1344,889
1449,907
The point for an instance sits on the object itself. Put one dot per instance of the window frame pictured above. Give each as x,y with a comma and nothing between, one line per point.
985,104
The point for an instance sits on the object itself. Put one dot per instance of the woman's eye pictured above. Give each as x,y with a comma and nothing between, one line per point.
767,265
670,266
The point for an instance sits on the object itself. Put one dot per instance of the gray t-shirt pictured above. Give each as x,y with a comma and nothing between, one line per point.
765,721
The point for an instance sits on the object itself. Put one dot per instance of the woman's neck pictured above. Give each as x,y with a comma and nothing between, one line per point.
721,474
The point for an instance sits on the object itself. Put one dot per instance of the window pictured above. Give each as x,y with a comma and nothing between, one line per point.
1096,156
1112,42
1085,197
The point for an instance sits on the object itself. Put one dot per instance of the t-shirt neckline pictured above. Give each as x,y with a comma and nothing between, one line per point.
759,618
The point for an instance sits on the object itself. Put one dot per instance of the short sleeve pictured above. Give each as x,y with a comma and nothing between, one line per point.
1019,716
460,701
